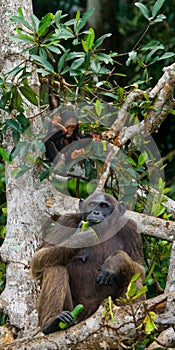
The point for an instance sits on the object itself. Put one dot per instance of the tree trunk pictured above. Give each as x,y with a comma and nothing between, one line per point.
104,21
29,202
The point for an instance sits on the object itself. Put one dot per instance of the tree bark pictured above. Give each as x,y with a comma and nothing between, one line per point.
29,203
100,332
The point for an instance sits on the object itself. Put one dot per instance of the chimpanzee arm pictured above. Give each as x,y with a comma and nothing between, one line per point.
118,266
69,241
50,256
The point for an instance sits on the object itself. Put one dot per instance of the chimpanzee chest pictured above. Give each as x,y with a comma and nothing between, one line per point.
83,270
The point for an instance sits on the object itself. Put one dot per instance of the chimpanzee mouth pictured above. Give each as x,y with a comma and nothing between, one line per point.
95,222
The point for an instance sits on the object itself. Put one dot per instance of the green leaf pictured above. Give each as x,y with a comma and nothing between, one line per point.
23,171
73,55
23,120
43,62
14,125
29,94
65,70
135,277
54,49
166,55
15,151
159,18
35,22
152,44
71,22
22,39
149,322
76,72
95,66
63,34
130,160
151,53
78,63
22,21
110,94
43,53
62,61
75,42
16,101
41,71
20,13
142,158
157,6
132,57
98,107
45,173
24,149
5,98
140,292
131,290
87,60
143,9
78,15
58,17
171,111
81,81
103,57
90,39
15,70
85,18
85,48
45,24
100,40
39,146
5,155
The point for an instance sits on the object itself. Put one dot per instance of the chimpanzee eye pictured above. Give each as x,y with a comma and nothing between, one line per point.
91,204
104,205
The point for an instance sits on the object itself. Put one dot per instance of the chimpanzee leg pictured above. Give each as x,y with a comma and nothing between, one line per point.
51,150
55,296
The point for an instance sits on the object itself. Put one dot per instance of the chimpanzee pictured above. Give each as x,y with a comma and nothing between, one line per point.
86,265
63,130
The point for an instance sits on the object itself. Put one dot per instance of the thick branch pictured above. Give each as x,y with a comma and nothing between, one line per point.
101,333
106,168
154,227
163,95
124,112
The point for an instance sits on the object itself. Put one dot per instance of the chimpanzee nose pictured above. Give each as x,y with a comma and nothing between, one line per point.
96,212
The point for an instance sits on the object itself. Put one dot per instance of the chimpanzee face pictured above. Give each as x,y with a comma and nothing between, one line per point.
99,207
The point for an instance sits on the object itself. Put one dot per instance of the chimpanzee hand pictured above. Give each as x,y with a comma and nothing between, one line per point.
105,277
64,317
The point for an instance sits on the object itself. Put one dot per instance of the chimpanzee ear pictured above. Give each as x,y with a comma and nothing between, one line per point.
81,201
121,208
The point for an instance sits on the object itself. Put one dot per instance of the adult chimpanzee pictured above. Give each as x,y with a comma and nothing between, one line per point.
87,265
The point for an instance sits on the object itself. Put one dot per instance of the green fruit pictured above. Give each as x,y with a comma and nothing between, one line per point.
84,226
75,313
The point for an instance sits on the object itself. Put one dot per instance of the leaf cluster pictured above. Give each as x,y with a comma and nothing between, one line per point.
51,41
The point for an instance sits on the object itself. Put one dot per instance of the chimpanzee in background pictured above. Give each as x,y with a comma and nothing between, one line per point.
63,131
86,266
63,128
